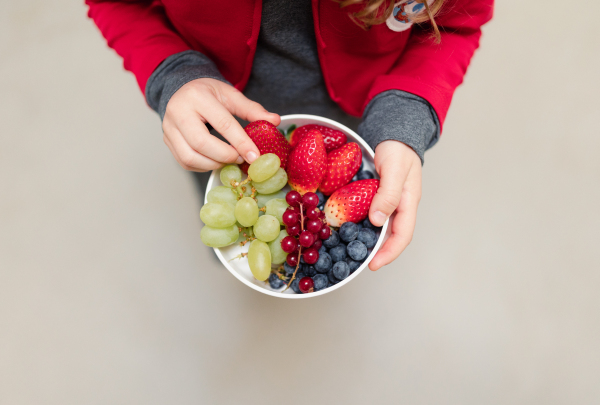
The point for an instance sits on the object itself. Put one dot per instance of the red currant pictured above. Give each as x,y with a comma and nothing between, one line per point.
317,244
312,212
310,199
293,198
293,230
306,238
292,259
306,285
324,233
322,214
311,255
289,244
290,217
314,225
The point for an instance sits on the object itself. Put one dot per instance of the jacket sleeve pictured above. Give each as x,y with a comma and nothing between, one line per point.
434,71
139,31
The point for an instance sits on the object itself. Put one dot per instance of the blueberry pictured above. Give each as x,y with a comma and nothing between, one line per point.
321,198
333,240
324,263
362,164
275,282
368,237
367,224
321,207
289,270
357,250
321,282
332,279
338,253
294,286
369,252
309,270
360,226
348,231
341,270
364,175
322,250
353,265
302,259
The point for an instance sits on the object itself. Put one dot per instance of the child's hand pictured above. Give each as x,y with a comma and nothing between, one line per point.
398,195
209,100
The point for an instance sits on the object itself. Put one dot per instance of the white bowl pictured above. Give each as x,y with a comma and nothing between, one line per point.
239,267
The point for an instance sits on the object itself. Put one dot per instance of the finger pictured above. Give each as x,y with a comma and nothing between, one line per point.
225,124
386,200
241,106
200,139
403,226
188,158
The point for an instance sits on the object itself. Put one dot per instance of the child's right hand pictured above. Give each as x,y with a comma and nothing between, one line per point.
209,100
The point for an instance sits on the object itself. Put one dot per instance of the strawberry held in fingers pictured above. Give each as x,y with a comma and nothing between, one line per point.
351,203
342,165
332,138
307,163
267,139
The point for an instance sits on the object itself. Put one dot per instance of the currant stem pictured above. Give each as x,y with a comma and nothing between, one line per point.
296,270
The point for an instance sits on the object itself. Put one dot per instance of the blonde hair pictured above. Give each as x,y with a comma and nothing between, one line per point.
377,11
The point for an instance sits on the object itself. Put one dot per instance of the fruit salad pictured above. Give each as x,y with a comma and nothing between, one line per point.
301,208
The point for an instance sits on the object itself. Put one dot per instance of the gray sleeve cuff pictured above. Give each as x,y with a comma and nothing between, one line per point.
397,115
174,72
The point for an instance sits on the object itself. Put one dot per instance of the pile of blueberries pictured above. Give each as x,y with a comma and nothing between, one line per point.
339,256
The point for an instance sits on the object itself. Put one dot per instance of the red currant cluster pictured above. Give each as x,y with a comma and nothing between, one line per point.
306,227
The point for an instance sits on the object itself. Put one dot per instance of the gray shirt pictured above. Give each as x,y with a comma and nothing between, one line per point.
286,78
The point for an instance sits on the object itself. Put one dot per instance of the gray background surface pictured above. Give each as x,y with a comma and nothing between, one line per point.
108,297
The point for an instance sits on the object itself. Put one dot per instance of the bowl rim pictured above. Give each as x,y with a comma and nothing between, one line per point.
327,122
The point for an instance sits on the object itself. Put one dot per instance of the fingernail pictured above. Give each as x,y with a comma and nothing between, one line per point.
379,218
239,160
251,157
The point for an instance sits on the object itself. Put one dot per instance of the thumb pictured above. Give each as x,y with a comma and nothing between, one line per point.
249,110
387,199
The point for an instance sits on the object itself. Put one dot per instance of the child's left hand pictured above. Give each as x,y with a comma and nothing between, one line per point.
398,195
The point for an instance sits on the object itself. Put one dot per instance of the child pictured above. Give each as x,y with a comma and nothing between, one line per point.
203,63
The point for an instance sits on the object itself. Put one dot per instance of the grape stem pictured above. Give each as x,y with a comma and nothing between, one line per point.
248,239
240,256
299,250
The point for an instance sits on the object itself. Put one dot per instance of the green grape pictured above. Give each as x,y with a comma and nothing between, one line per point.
259,259
263,199
218,214
246,211
266,228
278,256
273,184
219,237
222,194
229,173
264,167
276,207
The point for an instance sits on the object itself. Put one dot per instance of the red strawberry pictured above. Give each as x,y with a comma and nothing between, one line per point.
342,165
351,203
332,137
267,139
307,163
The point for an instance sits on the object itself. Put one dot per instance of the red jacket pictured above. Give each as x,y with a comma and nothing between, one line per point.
356,64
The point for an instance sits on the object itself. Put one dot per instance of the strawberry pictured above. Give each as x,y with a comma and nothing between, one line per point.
332,137
342,165
307,163
267,139
351,203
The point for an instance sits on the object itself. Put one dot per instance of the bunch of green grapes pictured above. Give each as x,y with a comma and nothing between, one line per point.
255,204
